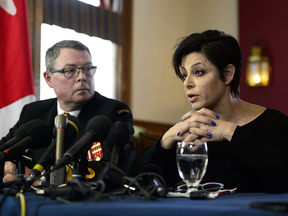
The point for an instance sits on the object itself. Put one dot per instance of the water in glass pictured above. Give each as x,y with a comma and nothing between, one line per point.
192,161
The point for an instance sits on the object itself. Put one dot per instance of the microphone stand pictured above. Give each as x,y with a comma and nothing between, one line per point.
20,167
80,168
112,176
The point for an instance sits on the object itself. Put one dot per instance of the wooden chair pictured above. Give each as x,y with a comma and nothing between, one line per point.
143,137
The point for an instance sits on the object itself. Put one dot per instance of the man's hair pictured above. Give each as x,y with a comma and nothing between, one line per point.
53,52
219,48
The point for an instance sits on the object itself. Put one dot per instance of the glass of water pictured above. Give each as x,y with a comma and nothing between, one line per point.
192,160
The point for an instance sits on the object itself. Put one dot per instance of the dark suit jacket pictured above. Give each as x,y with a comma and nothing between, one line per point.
46,110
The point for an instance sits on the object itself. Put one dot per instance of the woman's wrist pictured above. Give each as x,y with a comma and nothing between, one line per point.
165,144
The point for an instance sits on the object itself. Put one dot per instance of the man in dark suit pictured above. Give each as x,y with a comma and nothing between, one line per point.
70,73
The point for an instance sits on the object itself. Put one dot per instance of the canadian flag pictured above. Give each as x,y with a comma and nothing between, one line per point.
16,76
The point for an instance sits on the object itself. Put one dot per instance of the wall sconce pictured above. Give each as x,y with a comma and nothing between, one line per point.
258,68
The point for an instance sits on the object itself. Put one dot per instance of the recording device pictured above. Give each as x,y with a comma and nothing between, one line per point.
19,134
96,130
153,180
199,195
66,192
61,122
272,206
117,138
37,137
71,191
70,134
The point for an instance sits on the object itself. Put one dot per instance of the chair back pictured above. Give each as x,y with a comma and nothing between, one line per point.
143,137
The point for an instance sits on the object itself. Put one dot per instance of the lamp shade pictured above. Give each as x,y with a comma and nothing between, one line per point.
258,68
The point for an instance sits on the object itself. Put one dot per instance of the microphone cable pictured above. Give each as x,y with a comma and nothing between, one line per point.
81,192
76,191
22,203
9,191
136,189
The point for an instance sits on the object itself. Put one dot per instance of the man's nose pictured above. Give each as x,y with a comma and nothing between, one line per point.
81,75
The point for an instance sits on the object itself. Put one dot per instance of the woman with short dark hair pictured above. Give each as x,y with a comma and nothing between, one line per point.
247,143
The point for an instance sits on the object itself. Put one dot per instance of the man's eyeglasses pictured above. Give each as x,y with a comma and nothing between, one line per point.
70,72
210,186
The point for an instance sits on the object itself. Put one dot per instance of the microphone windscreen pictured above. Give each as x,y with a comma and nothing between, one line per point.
118,135
23,129
101,125
42,135
151,168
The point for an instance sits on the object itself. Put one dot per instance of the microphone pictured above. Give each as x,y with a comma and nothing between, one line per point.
70,134
117,138
19,134
37,137
153,180
96,130
61,122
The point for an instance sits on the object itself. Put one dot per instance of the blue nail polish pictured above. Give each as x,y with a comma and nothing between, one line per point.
217,116
180,119
178,133
209,134
213,123
200,145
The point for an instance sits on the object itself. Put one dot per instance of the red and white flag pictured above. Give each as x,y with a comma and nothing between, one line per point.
16,76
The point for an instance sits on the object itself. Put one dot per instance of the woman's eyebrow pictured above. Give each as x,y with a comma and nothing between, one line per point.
196,64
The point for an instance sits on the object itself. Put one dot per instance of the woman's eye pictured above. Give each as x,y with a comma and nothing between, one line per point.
199,72
184,76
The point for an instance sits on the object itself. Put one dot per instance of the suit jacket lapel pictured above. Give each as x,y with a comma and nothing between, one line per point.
50,117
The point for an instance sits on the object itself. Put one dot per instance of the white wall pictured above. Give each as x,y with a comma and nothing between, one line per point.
157,94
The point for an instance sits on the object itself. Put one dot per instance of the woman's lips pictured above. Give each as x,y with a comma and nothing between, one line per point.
192,97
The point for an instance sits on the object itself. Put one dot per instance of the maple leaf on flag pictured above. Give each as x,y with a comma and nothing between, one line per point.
8,6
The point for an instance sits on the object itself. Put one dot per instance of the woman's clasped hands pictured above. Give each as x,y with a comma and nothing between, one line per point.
198,126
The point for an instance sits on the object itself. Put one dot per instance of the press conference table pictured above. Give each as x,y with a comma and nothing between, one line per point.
232,204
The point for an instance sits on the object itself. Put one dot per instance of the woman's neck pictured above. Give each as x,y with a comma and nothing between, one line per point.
239,112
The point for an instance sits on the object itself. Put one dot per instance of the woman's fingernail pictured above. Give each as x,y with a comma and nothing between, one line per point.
213,123
180,119
217,116
200,145
178,133
209,134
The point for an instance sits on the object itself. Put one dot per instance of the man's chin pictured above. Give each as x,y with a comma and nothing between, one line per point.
83,98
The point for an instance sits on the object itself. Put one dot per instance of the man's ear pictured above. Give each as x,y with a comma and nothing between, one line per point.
48,78
229,73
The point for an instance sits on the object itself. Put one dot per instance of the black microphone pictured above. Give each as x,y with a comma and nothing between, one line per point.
117,138
96,130
61,122
71,133
19,134
37,137
153,180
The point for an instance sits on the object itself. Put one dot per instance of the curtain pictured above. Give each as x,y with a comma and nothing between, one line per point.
103,21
